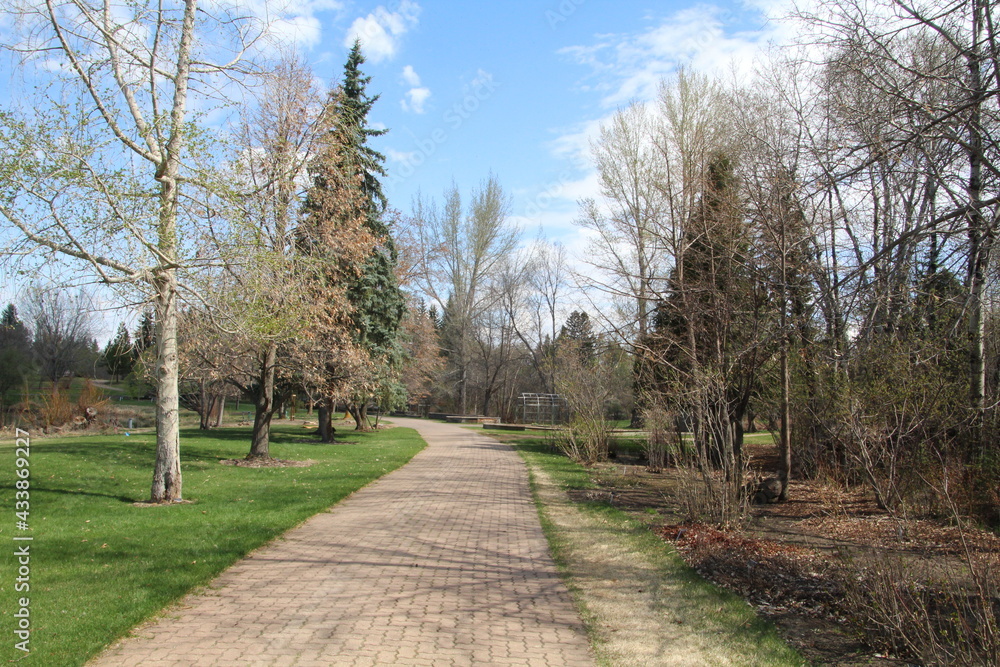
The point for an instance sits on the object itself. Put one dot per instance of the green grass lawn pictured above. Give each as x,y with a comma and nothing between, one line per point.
100,565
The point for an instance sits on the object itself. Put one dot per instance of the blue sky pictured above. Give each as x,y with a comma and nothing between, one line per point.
518,88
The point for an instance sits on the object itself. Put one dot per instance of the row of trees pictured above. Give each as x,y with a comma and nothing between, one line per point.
496,307
122,163
55,339
309,302
264,243
122,356
815,249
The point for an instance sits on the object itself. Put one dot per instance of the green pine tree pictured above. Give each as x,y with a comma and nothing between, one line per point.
579,331
375,295
120,354
350,163
145,335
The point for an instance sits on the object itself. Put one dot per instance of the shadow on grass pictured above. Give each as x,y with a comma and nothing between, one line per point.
279,436
142,453
196,445
41,488
200,451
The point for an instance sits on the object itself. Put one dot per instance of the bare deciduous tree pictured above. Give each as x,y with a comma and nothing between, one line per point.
63,329
460,254
100,180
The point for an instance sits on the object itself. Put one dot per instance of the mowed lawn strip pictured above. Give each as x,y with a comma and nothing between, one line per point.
640,602
100,565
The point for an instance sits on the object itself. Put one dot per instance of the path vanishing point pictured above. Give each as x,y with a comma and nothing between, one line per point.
441,562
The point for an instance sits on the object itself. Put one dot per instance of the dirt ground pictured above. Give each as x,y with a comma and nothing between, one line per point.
785,560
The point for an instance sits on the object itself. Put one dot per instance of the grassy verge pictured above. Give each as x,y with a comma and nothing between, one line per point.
100,565
640,602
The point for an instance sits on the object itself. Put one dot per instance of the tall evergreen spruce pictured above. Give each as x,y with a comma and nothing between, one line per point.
374,294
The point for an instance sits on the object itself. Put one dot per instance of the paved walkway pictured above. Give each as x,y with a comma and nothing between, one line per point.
442,562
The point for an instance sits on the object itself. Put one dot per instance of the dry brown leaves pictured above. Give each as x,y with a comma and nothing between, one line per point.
913,535
772,576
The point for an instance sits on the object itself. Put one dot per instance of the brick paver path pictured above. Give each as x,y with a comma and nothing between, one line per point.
442,562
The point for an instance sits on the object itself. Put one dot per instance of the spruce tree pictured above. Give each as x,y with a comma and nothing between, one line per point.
13,333
120,354
375,294
145,335
346,189
579,331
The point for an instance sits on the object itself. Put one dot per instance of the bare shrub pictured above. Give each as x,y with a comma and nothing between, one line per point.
707,495
931,611
90,403
711,466
56,408
708,492
584,378
934,615
584,441
663,436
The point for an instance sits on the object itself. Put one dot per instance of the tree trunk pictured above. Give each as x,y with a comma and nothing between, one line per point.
464,388
325,417
220,410
166,485
487,397
359,412
979,238
203,407
738,433
264,406
785,446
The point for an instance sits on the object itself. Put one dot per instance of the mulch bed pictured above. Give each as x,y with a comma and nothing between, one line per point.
796,588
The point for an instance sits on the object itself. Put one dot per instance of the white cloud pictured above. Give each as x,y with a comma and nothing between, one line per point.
415,99
410,76
573,144
630,67
291,22
623,68
417,95
380,31
304,31
403,157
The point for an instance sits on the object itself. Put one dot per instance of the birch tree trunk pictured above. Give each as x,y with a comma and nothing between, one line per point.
101,148
167,484
979,237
